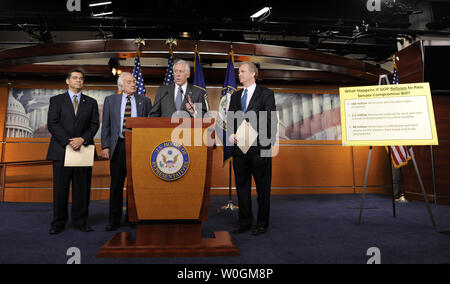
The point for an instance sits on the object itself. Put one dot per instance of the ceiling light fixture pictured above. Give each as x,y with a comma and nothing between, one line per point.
102,14
100,4
263,13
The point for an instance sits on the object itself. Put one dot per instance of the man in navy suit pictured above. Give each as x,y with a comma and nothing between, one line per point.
116,109
72,120
255,104
180,98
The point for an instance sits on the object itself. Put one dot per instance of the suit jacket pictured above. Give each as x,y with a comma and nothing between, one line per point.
111,119
63,124
165,101
263,99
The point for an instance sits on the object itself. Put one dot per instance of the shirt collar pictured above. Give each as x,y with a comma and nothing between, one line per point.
251,89
183,87
71,94
125,95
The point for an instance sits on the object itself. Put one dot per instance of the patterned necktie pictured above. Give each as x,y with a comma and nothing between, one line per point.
75,104
126,114
244,101
179,98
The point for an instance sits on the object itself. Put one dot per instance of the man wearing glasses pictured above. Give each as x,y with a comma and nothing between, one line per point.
73,120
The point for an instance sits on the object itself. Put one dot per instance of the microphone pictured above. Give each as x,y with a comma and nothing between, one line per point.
158,102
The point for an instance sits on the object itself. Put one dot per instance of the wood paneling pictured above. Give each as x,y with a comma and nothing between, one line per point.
304,166
378,175
313,167
410,181
45,195
410,68
410,64
442,167
441,106
17,152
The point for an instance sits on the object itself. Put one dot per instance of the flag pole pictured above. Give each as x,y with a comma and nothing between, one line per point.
392,184
229,205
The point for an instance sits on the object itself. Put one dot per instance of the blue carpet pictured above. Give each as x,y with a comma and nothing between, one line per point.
303,229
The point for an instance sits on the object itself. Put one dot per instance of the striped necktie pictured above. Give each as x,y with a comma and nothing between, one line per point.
126,114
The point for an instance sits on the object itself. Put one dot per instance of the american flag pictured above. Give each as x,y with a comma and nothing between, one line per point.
400,154
168,79
137,74
395,75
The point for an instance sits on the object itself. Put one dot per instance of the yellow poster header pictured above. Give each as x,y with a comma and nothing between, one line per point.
384,115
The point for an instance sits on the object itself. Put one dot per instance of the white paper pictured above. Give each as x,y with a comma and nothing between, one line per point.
246,136
81,158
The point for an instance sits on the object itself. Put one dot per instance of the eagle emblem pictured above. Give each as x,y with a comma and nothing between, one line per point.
170,161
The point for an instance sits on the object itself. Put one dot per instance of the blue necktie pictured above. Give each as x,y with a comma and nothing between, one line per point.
244,101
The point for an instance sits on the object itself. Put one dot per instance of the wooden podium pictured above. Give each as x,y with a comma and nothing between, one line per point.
168,205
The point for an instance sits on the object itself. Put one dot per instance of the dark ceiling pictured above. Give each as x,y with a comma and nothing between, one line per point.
339,27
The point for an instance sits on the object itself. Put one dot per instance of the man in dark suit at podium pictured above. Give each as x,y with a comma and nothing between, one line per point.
72,120
257,102
116,109
180,99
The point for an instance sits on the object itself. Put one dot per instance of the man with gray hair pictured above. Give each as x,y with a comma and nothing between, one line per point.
116,109
180,98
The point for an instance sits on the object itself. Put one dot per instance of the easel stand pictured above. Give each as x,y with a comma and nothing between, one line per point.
417,172
365,189
422,188
363,197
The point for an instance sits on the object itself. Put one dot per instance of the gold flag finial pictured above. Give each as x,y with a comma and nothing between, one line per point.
171,42
139,41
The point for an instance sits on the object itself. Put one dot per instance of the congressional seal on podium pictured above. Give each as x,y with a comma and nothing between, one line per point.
170,161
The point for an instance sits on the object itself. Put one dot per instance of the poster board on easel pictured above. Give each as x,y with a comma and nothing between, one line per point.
385,115
388,115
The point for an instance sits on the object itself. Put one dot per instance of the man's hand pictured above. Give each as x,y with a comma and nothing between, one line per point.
190,107
105,153
233,139
76,143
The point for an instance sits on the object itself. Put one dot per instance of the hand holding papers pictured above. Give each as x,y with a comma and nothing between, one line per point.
246,136
84,157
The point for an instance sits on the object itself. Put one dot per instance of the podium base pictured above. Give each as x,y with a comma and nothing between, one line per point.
168,240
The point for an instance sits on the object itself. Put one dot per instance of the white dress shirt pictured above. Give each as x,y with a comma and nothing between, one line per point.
184,88
250,91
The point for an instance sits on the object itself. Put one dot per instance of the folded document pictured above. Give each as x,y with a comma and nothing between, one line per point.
246,136
84,157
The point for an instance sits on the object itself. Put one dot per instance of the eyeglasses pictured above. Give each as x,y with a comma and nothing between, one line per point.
77,78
